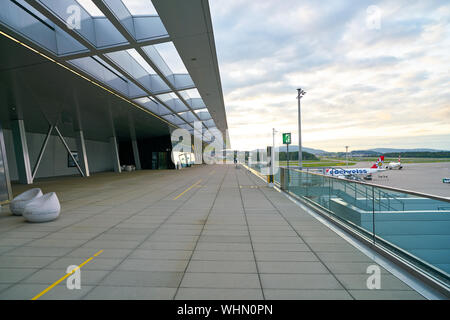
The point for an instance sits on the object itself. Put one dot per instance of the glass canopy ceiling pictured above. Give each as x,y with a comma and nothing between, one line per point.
121,44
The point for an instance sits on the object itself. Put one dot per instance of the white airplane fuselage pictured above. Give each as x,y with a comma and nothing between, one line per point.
394,165
376,167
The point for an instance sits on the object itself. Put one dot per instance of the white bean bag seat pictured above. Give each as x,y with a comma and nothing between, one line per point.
43,209
17,205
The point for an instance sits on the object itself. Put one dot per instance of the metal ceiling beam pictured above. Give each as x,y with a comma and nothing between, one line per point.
137,83
119,47
164,92
130,38
189,22
101,52
54,19
79,72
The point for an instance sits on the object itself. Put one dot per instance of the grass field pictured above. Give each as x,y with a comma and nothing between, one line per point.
317,163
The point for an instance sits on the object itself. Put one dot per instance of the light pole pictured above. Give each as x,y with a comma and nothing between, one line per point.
273,152
272,157
301,93
346,155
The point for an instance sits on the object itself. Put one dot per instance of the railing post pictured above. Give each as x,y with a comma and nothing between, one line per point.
366,198
282,179
379,200
288,176
373,214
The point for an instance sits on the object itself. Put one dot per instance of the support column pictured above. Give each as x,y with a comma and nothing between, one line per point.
115,154
21,151
5,182
113,141
137,160
82,155
198,139
79,137
69,151
41,153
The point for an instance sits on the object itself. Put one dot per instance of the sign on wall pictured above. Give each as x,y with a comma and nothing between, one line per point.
70,162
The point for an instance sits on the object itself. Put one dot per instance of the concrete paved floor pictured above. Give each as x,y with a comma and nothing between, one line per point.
227,237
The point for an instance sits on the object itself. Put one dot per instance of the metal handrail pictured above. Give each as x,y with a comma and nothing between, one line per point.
377,240
357,192
414,193
424,268
388,196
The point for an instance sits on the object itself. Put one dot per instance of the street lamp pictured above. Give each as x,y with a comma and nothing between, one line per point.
273,150
346,155
300,95
272,157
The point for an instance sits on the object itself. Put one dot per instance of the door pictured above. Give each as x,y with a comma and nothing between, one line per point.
5,183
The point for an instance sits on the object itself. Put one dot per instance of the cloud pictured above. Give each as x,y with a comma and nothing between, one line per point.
361,82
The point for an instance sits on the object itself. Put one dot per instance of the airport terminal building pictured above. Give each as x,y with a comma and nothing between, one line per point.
104,80
89,88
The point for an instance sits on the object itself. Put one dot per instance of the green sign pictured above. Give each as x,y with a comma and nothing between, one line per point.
286,138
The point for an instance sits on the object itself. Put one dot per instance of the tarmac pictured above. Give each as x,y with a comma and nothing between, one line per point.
206,232
420,177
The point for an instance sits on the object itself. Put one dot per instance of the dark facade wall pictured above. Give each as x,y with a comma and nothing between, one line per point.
160,145
126,153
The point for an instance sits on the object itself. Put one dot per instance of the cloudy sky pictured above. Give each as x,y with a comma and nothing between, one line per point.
377,73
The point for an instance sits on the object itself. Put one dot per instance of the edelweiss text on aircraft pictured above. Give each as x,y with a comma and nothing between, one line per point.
377,167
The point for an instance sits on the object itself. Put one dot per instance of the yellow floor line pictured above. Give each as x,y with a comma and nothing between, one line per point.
187,189
96,254
64,277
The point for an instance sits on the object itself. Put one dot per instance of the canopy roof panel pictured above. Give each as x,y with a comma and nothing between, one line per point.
157,54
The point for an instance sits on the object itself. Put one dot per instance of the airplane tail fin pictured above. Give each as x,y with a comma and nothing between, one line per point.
379,163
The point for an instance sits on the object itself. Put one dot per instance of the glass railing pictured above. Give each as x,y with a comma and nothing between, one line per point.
413,226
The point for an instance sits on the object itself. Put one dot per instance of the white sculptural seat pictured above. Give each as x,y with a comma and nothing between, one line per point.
17,205
43,209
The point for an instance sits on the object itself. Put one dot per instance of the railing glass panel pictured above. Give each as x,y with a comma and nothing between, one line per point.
411,225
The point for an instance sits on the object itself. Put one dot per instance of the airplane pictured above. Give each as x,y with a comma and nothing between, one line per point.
395,165
355,172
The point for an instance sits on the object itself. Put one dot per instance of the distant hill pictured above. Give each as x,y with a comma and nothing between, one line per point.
390,150
365,153
419,154
309,150
404,153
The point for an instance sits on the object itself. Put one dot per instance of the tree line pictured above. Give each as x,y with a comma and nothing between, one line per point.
294,156
419,154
